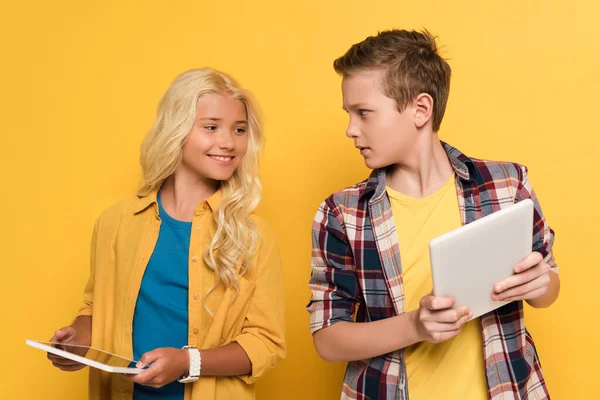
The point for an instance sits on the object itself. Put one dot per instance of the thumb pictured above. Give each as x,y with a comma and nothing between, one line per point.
148,358
65,333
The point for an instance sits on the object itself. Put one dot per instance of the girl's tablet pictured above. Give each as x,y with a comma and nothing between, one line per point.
91,356
468,261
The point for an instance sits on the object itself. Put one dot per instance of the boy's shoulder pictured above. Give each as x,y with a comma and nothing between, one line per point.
493,170
484,170
349,198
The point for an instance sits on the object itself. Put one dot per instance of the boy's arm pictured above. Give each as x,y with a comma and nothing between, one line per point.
536,278
543,241
552,291
434,322
336,294
352,341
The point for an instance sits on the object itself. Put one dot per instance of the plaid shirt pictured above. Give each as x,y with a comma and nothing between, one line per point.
357,275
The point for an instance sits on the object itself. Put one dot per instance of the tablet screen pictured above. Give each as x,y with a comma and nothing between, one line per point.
94,354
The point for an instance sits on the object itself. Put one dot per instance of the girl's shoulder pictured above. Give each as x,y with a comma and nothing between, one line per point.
267,239
264,230
123,211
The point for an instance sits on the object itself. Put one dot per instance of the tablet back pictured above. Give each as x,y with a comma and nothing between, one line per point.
468,261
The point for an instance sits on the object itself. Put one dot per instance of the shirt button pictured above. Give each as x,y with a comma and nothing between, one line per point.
205,206
198,227
196,331
195,258
196,296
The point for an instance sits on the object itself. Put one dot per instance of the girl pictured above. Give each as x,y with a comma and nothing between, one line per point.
184,276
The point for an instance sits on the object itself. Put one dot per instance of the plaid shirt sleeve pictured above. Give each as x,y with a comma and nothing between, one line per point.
333,283
543,235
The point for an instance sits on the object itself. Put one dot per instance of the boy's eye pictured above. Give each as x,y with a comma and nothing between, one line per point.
363,112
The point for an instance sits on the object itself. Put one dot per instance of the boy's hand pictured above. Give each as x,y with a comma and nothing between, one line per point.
436,321
168,364
530,280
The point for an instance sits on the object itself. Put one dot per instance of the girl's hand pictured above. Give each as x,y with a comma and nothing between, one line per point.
79,333
168,364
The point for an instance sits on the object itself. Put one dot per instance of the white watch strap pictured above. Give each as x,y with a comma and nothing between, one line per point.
195,365
195,362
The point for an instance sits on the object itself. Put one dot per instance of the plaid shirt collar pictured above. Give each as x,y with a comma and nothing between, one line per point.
464,167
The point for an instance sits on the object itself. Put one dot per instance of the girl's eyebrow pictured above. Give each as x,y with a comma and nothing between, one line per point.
243,121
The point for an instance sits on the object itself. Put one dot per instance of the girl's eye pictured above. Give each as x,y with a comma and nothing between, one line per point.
210,128
239,131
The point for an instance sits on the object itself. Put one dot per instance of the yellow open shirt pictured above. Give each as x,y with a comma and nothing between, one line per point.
123,241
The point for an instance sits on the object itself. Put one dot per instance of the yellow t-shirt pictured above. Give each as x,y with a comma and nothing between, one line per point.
453,369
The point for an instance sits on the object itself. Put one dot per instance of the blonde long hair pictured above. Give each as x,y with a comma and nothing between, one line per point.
236,236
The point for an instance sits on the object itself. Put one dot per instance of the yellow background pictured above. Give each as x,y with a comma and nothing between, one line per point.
80,82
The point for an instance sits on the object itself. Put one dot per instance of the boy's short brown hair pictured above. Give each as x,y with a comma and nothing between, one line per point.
411,63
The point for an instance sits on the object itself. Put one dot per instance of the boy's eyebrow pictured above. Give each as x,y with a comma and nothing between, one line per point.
355,106
242,121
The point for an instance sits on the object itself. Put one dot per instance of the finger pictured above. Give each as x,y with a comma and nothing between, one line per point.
521,278
66,347
129,377
438,337
529,296
149,357
55,358
448,326
448,315
157,382
533,259
518,291
63,334
435,303
145,377
70,368
62,360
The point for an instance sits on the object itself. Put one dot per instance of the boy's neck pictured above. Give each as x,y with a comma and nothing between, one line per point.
424,172
182,192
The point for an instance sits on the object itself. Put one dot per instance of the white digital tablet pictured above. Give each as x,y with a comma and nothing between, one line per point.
468,261
91,356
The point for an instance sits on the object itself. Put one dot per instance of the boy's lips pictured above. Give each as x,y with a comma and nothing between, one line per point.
363,150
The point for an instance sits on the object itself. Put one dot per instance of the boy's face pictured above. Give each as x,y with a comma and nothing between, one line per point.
383,135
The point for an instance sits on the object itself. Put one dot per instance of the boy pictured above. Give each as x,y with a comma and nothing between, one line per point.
371,282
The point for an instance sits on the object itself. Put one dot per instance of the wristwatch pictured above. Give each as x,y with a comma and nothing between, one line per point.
195,365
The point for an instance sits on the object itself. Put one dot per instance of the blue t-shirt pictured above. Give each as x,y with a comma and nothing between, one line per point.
161,310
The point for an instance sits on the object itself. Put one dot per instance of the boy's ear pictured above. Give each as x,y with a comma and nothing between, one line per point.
423,109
